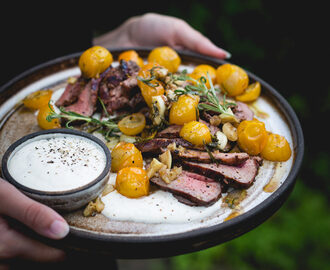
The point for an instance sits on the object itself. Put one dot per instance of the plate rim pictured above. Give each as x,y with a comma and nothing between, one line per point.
280,194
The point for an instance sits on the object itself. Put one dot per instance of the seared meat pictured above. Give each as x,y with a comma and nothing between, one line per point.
198,189
204,157
71,93
242,111
157,145
119,86
172,131
86,103
237,176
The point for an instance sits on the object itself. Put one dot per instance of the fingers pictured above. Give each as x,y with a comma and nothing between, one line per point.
38,217
191,39
16,245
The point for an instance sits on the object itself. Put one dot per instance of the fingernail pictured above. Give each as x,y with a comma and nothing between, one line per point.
59,229
228,55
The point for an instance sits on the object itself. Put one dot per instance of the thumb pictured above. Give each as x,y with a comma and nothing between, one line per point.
37,216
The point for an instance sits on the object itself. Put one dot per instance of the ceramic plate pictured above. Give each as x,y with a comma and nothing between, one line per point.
166,234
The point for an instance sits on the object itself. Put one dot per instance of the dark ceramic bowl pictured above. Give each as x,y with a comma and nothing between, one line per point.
67,200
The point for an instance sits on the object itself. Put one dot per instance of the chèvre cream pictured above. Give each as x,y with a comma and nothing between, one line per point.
56,162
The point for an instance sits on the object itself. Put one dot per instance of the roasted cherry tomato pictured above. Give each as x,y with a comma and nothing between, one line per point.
202,71
132,182
196,132
37,99
125,155
132,124
277,148
94,61
251,93
42,121
184,110
131,55
252,136
166,57
151,88
232,79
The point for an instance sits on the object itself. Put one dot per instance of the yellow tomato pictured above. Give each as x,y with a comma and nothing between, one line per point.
94,61
277,148
37,99
252,136
184,110
131,55
232,78
132,182
203,70
251,93
132,124
166,57
125,155
153,88
196,132
42,121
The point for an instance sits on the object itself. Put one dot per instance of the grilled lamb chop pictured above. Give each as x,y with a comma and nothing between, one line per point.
241,176
195,189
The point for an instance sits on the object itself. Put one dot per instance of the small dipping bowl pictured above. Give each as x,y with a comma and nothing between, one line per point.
67,156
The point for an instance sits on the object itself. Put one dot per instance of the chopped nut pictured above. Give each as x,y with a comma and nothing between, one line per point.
94,207
166,158
168,175
72,80
154,167
230,131
221,140
172,146
108,188
215,120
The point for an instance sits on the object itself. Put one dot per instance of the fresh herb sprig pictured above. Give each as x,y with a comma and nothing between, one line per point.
106,127
208,96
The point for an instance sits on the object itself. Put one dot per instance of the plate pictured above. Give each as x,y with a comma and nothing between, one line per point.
127,239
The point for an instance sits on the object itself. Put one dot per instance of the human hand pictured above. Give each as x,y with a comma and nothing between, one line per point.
155,30
40,218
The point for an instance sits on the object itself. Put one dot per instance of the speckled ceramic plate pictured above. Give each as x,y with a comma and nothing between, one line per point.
166,235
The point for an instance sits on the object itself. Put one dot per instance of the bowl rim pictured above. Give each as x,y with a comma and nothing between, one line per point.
7,176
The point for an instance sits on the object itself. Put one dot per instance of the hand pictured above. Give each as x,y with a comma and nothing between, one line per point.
155,30
40,218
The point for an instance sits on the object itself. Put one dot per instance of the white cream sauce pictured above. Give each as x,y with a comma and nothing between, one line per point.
56,162
158,207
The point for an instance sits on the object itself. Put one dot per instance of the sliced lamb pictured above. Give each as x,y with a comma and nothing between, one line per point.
242,111
157,145
204,157
71,93
172,131
237,176
86,103
198,189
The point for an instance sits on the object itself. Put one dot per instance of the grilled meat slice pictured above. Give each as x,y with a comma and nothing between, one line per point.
157,145
241,176
198,189
242,111
86,103
204,157
172,131
71,92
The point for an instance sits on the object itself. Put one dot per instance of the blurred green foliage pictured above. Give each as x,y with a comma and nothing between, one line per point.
297,237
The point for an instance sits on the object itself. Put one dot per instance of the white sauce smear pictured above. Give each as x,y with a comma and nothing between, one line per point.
158,207
56,162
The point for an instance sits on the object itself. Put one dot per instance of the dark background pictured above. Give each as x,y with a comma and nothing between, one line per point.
283,42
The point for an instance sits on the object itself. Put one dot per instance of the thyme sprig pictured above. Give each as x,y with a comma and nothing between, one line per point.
106,127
